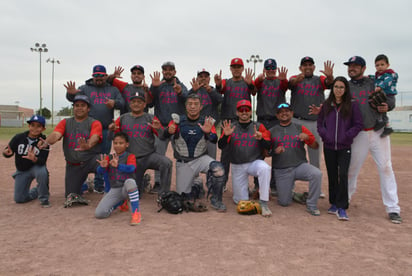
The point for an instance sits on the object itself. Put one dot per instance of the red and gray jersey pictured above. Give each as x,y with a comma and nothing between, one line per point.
270,93
288,137
72,131
98,97
361,89
306,93
233,91
210,102
243,146
141,134
126,169
166,101
127,89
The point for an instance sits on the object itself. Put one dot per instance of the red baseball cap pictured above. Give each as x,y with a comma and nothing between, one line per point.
242,103
236,61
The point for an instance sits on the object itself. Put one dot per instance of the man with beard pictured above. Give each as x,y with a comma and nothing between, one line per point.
104,98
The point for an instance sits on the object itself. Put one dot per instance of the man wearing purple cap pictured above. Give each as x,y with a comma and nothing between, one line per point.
30,163
369,140
127,89
104,98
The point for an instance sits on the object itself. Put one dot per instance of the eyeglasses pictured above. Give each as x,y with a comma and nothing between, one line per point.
243,109
99,75
283,105
339,87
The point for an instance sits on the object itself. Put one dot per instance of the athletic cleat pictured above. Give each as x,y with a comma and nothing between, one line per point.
156,188
99,190
313,212
341,214
136,218
300,197
219,206
395,218
45,204
124,207
333,210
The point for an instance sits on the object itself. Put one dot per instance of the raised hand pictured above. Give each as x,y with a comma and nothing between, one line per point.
314,110
71,88
118,70
227,127
177,87
42,144
279,149
283,73
155,124
103,161
109,103
195,84
156,79
83,145
114,162
207,125
248,76
303,137
30,154
258,135
218,79
113,127
328,70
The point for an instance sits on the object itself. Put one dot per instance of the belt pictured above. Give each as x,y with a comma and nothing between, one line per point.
368,129
183,161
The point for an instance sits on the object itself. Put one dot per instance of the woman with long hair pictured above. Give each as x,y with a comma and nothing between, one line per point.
339,122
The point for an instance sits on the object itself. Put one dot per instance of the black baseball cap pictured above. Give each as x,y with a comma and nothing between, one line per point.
306,59
137,95
356,60
137,67
82,98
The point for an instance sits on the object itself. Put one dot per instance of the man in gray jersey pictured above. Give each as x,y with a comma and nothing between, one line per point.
104,98
142,128
168,96
81,137
307,91
369,140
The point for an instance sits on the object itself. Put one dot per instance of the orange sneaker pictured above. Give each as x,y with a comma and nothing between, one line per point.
136,217
125,206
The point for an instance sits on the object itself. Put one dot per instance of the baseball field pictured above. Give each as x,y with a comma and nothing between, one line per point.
59,241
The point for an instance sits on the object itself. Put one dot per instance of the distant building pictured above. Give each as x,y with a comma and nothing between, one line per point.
14,115
401,119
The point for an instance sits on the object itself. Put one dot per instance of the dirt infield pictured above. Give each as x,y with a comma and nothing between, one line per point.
59,241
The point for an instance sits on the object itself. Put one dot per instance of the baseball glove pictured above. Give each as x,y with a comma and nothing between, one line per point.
376,99
171,202
195,206
74,198
248,207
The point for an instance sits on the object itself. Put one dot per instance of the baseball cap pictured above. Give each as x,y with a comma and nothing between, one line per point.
270,63
138,95
357,60
306,59
168,64
99,69
203,70
82,98
137,67
236,61
283,105
37,118
242,103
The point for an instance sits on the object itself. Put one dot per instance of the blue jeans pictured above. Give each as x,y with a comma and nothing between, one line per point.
106,145
23,180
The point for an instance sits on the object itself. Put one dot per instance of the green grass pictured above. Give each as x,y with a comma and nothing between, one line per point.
6,133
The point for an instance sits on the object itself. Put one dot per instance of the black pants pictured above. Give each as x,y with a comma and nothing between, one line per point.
337,165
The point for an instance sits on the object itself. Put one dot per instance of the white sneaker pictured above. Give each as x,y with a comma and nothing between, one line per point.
266,211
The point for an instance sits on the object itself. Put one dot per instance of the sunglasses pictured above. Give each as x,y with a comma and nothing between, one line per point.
283,105
243,109
271,68
99,75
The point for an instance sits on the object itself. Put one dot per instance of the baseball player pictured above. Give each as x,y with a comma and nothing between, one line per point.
127,89
190,134
245,141
103,99
289,159
118,170
369,140
81,137
142,128
168,96
307,92
234,90
30,163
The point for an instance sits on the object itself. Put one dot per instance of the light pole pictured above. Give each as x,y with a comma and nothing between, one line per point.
255,59
53,61
40,48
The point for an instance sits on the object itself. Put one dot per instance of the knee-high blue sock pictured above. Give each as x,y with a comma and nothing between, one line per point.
134,200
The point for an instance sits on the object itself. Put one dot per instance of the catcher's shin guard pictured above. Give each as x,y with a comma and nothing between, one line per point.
215,182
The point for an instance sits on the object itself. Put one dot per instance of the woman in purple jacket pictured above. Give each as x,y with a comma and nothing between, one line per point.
339,121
